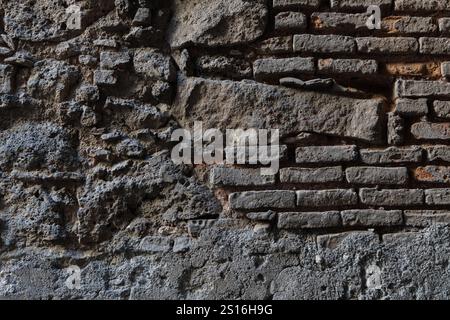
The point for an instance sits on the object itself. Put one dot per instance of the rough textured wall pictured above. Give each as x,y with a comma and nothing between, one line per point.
359,209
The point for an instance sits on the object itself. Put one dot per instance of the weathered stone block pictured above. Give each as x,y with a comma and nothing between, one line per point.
196,23
254,105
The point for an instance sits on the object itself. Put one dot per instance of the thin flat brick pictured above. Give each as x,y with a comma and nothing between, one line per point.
277,68
391,197
339,22
324,43
411,107
445,69
391,155
326,198
295,4
444,25
435,174
309,220
326,154
372,218
377,175
359,4
290,21
350,67
442,109
394,45
262,216
409,25
439,46
311,175
422,5
431,131
421,88
437,196
426,218
252,200
438,153
224,176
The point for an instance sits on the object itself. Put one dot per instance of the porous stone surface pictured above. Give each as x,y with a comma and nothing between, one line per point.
91,92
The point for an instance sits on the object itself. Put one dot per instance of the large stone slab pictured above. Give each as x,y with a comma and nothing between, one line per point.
217,22
247,104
